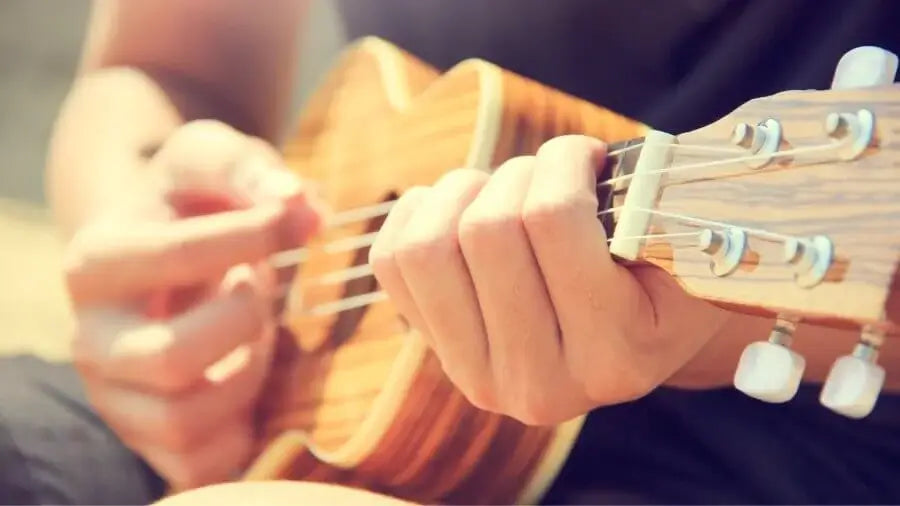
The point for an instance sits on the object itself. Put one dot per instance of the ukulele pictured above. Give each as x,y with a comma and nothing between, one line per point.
783,207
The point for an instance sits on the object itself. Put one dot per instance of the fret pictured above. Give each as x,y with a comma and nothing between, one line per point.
616,165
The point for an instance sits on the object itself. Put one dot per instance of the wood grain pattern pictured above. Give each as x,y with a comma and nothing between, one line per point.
355,398
855,203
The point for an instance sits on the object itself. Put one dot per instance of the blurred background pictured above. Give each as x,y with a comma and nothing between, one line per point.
40,43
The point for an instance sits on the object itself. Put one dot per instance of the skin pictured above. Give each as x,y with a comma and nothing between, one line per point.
166,138
565,343
179,197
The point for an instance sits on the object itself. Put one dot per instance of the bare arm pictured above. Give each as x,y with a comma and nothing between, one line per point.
151,65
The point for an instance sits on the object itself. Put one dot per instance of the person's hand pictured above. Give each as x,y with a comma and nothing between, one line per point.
173,298
510,281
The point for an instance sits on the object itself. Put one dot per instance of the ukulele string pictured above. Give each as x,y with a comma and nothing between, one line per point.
760,233
297,256
719,163
365,270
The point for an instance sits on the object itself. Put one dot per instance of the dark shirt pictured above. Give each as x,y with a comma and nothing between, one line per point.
674,64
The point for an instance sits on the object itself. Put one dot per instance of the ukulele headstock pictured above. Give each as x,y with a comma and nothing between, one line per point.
789,206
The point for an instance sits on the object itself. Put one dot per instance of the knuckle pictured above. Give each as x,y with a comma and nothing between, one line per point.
527,401
203,145
462,177
546,215
208,133
203,129
460,185
537,408
257,146
515,164
383,263
480,230
412,193
481,396
478,391
423,248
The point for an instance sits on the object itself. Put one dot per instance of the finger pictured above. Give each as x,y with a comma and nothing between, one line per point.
524,343
111,263
206,158
256,180
169,356
382,258
221,459
593,297
213,157
431,264
188,420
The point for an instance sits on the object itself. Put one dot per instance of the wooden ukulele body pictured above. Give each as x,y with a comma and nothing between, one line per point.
354,397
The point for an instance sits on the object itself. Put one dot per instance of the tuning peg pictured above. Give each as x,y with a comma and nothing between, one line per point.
761,139
855,381
865,66
769,370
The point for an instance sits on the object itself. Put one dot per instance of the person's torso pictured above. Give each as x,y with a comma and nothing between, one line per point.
675,64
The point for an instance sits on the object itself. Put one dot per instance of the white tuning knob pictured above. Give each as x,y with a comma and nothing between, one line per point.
854,383
863,67
769,370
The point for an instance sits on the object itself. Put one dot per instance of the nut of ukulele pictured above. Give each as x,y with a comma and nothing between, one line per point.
855,381
769,370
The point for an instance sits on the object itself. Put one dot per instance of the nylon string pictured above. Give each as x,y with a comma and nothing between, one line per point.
298,256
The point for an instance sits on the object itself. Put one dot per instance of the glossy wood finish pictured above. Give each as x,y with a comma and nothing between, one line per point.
856,203
355,398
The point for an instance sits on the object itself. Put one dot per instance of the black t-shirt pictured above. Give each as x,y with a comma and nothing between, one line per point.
678,65
674,64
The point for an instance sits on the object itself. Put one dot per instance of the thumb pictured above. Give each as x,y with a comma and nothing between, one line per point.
252,180
262,181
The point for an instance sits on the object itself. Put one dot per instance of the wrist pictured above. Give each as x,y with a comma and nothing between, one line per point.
714,364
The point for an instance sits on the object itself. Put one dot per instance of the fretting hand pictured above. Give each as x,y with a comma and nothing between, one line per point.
174,300
510,281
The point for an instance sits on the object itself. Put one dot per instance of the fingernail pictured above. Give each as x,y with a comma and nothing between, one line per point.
239,277
278,183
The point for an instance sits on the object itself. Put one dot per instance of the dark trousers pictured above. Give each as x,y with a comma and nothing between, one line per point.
672,447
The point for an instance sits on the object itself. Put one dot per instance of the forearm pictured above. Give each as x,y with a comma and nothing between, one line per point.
820,346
